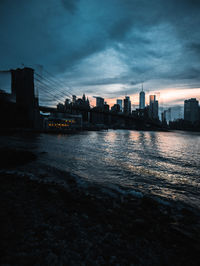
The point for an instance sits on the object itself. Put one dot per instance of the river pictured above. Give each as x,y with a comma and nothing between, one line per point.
165,164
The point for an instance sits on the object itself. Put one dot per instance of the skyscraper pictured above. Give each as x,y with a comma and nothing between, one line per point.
100,102
83,98
152,99
119,101
153,107
142,99
166,116
191,110
127,105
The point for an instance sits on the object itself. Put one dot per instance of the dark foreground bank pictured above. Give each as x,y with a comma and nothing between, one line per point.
49,223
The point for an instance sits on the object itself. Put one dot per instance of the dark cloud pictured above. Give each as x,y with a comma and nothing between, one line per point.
151,40
70,5
195,47
120,28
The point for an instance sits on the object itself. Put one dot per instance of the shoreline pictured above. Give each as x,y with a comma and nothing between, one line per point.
72,223
8,131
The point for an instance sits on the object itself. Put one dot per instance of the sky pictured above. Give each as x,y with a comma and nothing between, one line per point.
106,48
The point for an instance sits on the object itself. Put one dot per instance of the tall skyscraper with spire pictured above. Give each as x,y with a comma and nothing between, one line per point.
142,99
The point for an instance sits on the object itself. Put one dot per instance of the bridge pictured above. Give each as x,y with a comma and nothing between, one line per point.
27,86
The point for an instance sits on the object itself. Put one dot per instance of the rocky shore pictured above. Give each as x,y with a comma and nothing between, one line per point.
44,222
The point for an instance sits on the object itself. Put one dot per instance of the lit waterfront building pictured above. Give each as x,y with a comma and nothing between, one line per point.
191,110
142,99
119,102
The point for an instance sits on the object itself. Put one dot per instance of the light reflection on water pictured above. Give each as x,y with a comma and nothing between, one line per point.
163,163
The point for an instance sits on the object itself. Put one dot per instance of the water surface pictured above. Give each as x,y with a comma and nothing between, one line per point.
160,163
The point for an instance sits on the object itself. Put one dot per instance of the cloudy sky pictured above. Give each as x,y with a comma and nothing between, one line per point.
106,48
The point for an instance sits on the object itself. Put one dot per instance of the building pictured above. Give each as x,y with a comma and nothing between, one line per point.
67,103
152,99
106,107
100,102
62,121
191,110
60,107
166,116
115,108
142,100
82,102
127,105
119,102
73,99
153,107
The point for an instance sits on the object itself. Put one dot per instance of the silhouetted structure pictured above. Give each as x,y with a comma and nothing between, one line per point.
24,108
100,102
115,108
106,107
23,88
127,105
119,102
20,108
153,107
60,107
182,124
191,110
166,116
142,100
73,98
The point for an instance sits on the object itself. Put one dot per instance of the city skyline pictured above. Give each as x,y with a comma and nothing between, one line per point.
152,104
176,111
166,97
101,52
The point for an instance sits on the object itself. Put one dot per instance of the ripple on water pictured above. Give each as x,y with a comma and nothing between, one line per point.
163,163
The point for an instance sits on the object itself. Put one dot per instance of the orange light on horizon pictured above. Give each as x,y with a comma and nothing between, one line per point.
166,96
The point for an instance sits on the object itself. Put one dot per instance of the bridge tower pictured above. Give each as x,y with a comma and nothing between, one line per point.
22,86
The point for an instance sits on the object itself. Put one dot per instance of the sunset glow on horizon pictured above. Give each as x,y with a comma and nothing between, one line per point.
166,97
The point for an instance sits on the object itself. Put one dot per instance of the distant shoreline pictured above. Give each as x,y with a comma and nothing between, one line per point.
4,131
